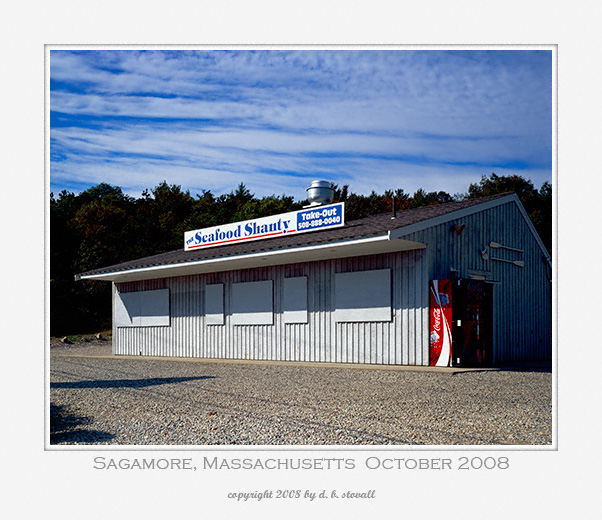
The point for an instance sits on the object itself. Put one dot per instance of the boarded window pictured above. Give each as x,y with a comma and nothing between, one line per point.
214,304
252,303
142,308
363,296
294,300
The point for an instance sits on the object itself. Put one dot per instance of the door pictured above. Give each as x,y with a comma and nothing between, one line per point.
472,318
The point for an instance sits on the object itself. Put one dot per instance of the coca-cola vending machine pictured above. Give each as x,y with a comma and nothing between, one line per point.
461,323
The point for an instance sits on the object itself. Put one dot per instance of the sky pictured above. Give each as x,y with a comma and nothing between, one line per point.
278,119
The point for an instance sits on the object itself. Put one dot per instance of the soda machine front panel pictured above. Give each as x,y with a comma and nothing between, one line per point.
440,323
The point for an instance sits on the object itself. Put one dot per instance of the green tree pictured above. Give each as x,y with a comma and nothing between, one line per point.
266,206
340,194
87,231
101,223
63,253
422,198
204,212
160,219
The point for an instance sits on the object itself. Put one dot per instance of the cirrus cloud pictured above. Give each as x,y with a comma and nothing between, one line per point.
276,119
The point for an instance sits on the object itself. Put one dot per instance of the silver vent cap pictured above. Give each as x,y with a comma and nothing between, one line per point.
320,193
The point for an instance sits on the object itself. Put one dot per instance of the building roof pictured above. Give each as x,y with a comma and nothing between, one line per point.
363,233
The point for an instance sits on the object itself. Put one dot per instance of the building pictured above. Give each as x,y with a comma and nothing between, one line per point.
461,283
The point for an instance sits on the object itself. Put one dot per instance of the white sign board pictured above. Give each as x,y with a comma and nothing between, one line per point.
309,219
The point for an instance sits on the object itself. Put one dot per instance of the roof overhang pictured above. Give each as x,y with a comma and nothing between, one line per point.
309,253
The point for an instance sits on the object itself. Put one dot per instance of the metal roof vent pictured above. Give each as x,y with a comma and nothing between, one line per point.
320,193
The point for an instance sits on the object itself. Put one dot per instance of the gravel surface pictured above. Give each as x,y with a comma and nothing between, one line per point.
98,399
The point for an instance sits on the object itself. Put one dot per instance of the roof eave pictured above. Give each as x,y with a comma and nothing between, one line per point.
346,248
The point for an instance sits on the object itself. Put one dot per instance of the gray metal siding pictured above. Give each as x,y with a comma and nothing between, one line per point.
403,340
522,299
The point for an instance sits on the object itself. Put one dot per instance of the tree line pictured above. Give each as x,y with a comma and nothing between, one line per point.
103,226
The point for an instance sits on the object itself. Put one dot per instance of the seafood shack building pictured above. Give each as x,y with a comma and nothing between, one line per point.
462,283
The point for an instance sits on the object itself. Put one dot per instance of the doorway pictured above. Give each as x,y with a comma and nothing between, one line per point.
472,318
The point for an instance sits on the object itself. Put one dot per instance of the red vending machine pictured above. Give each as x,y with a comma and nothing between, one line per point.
460,324
441,318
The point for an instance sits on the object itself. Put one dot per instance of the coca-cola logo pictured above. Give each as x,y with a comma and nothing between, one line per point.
437,319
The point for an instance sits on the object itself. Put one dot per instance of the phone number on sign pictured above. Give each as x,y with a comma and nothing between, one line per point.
319,222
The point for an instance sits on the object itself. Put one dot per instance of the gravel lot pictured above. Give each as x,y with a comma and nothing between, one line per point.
97,399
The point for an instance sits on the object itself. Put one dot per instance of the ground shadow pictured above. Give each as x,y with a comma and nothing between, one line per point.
527,367
127,383
66,427
504,369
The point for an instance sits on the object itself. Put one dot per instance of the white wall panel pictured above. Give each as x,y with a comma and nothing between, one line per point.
252,303
154,308
363,296
294,300
214,304
142,308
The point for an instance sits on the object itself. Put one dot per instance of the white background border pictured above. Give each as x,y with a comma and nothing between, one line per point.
59,484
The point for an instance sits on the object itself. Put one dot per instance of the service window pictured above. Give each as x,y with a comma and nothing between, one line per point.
363,296
252,303
214,304
142,308
294,300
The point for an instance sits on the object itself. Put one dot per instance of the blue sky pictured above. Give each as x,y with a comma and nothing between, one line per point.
276,119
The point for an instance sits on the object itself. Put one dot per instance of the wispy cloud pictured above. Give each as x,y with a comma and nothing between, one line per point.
277,119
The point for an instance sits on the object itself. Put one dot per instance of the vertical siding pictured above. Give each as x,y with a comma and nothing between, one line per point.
521,299
403,340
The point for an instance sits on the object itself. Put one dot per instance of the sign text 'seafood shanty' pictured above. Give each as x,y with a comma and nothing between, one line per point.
311,219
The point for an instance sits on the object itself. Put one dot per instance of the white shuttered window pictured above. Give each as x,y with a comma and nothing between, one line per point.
363,296
252,303
142,308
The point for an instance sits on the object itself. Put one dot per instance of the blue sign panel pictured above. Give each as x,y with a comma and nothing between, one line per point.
320,217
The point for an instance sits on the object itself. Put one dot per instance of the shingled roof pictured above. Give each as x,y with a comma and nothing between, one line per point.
361,228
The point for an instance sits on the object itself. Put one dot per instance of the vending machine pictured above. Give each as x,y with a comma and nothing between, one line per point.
461,323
